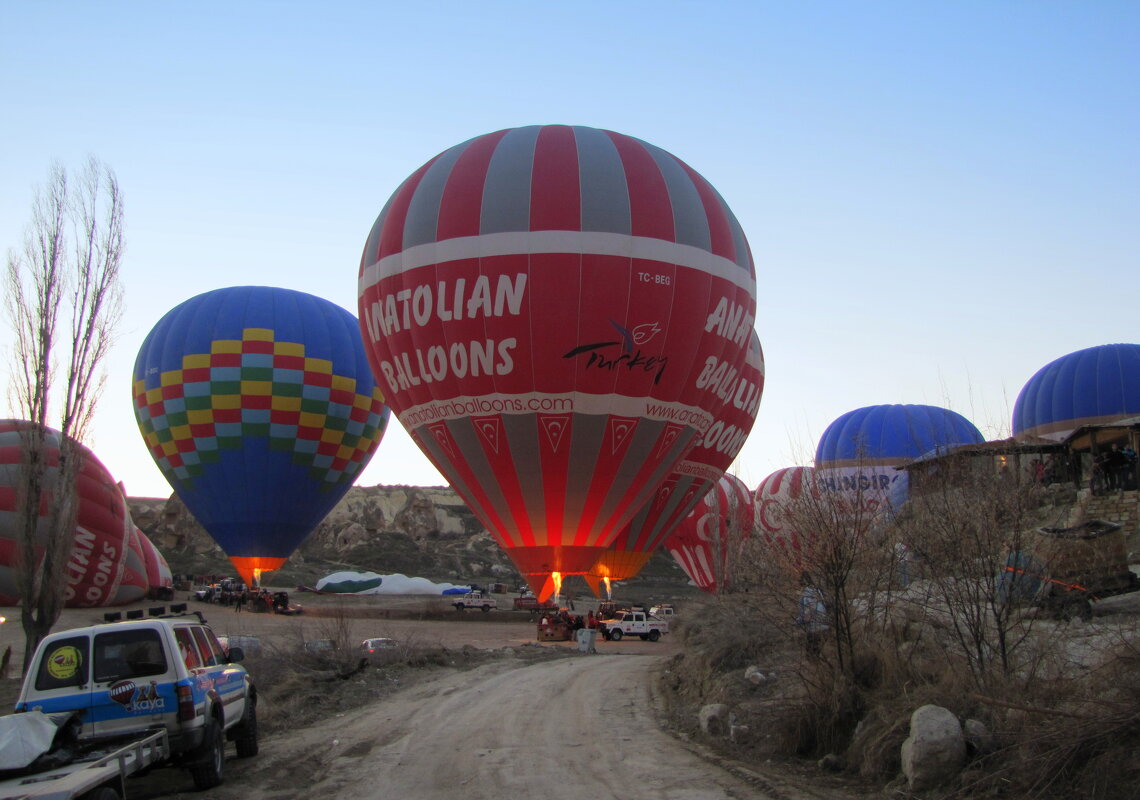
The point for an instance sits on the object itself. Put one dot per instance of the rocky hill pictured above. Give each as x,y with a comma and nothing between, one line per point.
420,531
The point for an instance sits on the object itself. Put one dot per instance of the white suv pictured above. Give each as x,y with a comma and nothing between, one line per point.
127,677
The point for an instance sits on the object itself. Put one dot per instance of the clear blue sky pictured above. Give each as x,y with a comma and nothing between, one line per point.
941,198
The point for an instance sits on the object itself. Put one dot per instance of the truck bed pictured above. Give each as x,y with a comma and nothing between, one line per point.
96,767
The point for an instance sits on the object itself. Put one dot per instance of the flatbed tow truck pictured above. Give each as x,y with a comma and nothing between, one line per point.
98,772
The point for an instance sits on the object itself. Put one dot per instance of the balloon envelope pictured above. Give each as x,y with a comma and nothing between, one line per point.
258,405
692,479
775,499
705,542
555,312
158,574
1095,386
97,571
134,584
858,452
350,583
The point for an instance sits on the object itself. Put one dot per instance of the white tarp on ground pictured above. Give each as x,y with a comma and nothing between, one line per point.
350,582
389,584
24,737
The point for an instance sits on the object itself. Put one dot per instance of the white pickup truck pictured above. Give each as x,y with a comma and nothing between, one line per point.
474,600
633,623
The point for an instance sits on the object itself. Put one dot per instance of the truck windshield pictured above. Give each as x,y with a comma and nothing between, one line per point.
128,654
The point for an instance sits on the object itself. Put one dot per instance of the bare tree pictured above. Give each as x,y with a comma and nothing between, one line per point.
970,524
826,576
842,525
66,272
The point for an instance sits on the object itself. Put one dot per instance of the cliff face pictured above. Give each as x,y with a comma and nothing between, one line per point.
426,532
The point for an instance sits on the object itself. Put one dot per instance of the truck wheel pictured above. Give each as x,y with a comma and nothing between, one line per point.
206,769
486,609
615,635
459,606
245,733
654,636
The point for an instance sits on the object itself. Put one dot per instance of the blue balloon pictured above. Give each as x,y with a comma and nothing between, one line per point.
1093,386
857,455
260,408
891,435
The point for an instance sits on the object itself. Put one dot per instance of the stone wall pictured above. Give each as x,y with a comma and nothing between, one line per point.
1119,507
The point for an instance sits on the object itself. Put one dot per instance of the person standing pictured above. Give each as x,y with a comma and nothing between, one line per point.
1115,465
1130,477
812,616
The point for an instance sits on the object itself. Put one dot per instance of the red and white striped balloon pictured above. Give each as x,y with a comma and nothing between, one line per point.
775,498
693,478
707,541
555,314
101,548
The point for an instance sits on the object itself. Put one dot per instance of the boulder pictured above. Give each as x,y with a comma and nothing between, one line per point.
979,740
714,719
737,732
755,675
935,750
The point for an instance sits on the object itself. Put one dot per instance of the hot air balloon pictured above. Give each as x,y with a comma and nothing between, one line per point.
857,454
555,314
1095,386
706,542
704,465
134,584
259,407
159,578
96,570
775,499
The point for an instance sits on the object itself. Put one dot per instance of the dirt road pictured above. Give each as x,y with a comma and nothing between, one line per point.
578,727
514,728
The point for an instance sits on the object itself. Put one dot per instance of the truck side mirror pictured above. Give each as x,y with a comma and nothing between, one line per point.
235,655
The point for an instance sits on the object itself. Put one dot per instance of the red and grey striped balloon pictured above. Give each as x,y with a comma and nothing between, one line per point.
555,313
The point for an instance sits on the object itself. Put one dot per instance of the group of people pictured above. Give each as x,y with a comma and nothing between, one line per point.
574,622
239,597
1114,469
226,595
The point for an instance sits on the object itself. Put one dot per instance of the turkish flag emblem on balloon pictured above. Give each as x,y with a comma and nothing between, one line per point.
554,313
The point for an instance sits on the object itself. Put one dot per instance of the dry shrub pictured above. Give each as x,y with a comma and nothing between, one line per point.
892,682
876,744
725,638
862,711
1061,700
833,705
1077,738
